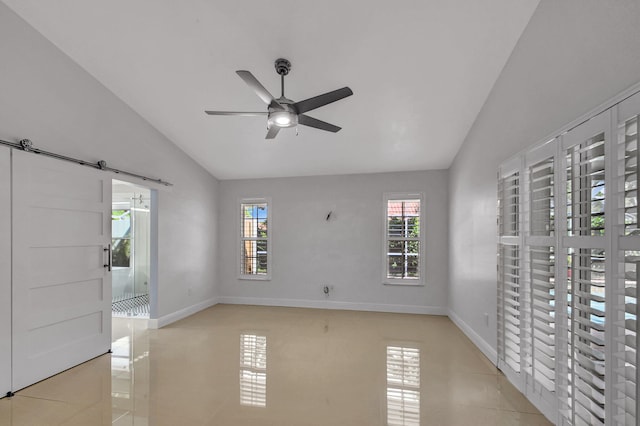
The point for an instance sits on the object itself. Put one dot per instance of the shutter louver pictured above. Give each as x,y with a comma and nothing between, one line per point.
586,188
510,280
544,324
587,284
628,141
625,343
541,183
509,205
509,291
540,341
585,212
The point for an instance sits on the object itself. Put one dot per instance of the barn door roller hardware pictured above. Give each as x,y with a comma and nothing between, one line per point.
26,145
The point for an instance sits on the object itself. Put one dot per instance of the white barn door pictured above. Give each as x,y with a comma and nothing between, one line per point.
61,286
5,271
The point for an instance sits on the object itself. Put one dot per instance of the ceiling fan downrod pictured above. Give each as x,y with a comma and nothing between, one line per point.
283,67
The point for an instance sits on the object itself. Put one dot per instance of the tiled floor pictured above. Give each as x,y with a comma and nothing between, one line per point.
247,365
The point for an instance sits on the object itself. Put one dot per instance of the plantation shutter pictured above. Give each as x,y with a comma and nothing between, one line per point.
544,330
541,181
568,271
509,290
625,341
539,312
586,268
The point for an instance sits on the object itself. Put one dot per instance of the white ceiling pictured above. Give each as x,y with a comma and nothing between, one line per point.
420,71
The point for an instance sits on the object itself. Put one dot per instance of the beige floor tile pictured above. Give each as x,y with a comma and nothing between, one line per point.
25,411
513,400
86,384
251,365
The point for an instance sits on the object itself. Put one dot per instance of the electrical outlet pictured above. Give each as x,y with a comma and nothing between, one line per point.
486,319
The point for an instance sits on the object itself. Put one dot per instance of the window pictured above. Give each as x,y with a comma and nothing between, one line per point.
255,260
121,238
403,239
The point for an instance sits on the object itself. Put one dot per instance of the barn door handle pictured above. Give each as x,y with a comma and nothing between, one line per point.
108,265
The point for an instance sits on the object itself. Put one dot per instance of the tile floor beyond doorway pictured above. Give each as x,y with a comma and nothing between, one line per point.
249,365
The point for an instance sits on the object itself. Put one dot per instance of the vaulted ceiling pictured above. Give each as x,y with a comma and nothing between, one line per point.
420,71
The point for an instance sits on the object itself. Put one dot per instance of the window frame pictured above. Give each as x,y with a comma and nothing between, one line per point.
240,238
390,196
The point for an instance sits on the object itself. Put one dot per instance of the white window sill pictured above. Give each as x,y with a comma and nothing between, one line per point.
255,277
404,283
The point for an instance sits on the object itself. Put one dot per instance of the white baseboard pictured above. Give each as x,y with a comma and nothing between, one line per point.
482,344
331,304
182,313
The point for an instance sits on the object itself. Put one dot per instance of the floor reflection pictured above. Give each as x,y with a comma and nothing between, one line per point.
253,370
403,386
129,372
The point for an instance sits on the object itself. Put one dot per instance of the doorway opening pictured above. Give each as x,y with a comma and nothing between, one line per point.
131,250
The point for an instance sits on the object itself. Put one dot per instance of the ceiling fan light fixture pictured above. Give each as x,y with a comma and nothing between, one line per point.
283,119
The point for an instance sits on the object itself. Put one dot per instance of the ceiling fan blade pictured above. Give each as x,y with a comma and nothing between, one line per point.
245,114
318,124
263,93
321,100
273,132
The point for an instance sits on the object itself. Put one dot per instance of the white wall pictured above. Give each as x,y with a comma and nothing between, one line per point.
574,55
5,271
345,252
49,99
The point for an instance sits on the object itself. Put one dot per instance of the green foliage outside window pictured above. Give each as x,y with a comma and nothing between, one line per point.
121,252
121,238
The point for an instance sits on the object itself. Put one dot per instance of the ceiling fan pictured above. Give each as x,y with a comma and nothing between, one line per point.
283,112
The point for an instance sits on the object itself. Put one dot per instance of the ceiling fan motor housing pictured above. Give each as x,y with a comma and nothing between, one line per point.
283,66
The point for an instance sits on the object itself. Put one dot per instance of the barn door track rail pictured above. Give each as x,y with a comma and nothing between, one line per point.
27,146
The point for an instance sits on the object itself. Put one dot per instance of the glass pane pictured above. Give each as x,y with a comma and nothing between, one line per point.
261,211
508,204
254,257
262,228
121,252
542,203
403,218
403,259
120,224
628,137
586,188
254,220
